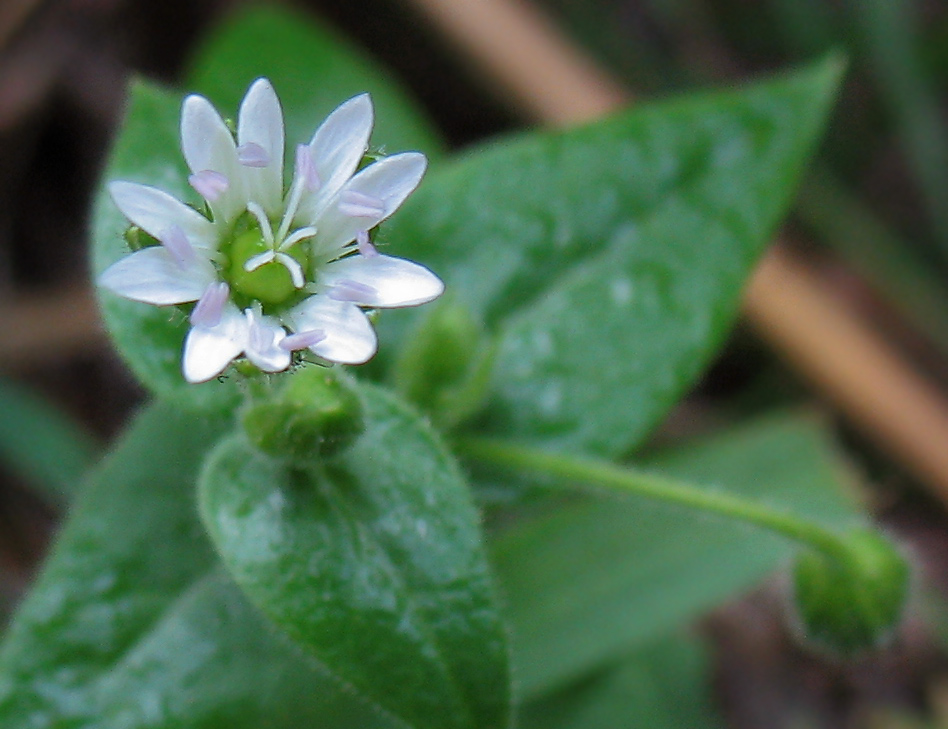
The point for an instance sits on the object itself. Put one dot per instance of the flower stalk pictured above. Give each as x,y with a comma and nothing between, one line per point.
623,481
849,589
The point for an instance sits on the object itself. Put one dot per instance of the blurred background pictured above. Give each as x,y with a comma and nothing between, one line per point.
871,226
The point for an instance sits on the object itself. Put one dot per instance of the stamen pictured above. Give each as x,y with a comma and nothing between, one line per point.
294,267
305,177
355,291
366,248
210,307
302,340
178,246
252,154
302,234
209,184
359,205
265,228
261,259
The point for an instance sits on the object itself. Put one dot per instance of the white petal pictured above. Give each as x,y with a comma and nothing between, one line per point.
152,276
260,121
393,281
263,344
337,148
154,211
350,338
208,145
208,350
389,180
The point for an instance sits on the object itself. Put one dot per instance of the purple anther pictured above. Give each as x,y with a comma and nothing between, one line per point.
359,205
252,154
302,340
210,307
355,291
209,184
306,168
178,246
366,248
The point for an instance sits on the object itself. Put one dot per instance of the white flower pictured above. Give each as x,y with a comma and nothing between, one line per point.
265,261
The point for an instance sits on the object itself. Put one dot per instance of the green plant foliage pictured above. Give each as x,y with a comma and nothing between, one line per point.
212,662
663,685
373,562
42,444
130,547
129,626
611,258
593,274
597,578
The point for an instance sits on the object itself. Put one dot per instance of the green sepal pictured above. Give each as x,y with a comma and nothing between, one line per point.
314,415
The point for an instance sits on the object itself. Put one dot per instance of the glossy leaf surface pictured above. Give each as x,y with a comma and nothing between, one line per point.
131,545
130,626
611,258
373,563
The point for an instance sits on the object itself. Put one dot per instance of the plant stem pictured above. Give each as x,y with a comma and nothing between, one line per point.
622,480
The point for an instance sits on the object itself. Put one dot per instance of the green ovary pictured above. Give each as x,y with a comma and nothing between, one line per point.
269,284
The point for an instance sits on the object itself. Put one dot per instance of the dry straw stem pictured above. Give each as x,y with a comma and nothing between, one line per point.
53,324
547,77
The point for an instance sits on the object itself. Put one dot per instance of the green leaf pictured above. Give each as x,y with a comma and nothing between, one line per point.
610,258
664,685
313,73
42,444
213,662
597,578
130,627
312,69
373,563
131,545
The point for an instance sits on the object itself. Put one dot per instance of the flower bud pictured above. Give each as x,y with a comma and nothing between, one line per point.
445,368
315,415
852,603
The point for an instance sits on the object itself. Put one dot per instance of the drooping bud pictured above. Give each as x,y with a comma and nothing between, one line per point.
853,603
316,415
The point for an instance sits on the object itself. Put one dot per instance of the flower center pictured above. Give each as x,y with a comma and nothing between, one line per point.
270,283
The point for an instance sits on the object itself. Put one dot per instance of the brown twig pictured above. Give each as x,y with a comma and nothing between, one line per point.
824,339
65,321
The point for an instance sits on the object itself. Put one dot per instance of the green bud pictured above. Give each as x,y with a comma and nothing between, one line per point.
445,367
315,415
855,602
271,283
138,238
